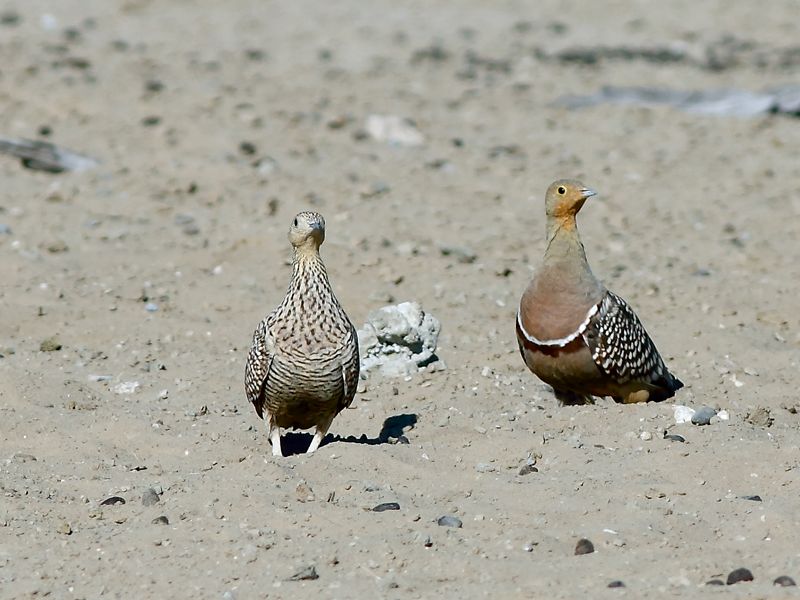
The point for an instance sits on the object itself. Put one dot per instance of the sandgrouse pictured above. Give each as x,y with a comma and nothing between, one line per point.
576,335
303,365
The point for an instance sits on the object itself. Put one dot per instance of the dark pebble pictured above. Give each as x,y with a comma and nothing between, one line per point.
703,415
784,581
715,582
10,18
150,497
386,506
616,584
45,130
528,469
674,437
50,345
306,574
162,520
111,501
151,121
153,85
739,575
247,148
584,546
448,521
753,498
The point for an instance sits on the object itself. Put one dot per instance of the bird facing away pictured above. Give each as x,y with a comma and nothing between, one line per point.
576,335
302,369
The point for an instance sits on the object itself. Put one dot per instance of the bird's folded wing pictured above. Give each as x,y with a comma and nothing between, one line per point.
620,345
259,361
350,367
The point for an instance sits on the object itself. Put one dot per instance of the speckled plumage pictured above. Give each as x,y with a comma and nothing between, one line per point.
575,334
303,365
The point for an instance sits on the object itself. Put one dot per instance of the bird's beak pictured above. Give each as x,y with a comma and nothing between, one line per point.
587,193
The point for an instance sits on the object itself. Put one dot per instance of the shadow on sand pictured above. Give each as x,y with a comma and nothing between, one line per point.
297,443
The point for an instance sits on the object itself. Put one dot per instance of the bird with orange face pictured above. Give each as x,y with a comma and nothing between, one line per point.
576,335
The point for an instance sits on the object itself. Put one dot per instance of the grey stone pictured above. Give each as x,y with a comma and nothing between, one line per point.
703,415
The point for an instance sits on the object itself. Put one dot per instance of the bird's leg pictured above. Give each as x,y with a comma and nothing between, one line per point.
319,434
275,438
570,398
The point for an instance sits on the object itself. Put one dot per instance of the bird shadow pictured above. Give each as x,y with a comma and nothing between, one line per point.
392,431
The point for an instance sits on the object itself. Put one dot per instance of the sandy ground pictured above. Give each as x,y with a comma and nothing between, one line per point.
214,124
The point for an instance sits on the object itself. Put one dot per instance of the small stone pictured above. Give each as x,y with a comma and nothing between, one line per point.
308,573
739,575
151,121
247,148
21,457
715,582
784,581
584,546
150,497
5,229
304,492
645,436
755,498
64,528
51,344
162,520
682,414
616,584
463,254
760,417
151,307
703,415
112,501
126,387
674,437
449,521
527,469
386,506
484,468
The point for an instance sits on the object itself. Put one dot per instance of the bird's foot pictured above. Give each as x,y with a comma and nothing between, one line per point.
570,398
315,442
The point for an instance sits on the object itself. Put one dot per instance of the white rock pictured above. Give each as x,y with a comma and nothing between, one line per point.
126,387
398,339
683,414
394,130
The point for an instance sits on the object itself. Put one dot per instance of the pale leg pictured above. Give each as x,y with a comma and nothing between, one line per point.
319,435
275,438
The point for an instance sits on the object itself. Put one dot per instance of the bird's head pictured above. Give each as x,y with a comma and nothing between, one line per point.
307,230
565,198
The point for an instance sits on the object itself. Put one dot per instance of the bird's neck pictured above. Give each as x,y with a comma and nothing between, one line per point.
565,257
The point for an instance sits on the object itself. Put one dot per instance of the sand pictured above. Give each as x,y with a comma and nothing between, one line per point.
214,123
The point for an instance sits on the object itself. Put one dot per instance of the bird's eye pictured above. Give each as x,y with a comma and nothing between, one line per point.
295,222
562,190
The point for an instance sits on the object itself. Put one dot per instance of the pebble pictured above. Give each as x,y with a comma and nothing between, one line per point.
715,582
703,415
5,229
308,573
527,469
98,378
21,457
51,344
113,500
64,528
151,307
484,468
754,498
616,584
784,581
161,520
304,492
449,521
584,546
645,436
463,254
739,575
126,387
386,506
760,417
150,497
682,414
674,437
